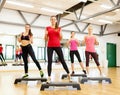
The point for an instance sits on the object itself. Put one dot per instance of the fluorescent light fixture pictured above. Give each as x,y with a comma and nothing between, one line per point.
20,4
117,10
90,18
82,16
105,6
51,10
105,21
82,0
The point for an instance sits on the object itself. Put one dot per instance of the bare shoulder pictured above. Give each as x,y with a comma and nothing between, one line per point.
85,36
95,36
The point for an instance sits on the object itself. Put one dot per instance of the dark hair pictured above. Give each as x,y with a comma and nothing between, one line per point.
30,33
56,25
72,32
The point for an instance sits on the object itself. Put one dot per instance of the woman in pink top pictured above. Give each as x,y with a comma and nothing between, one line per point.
90,41
74,43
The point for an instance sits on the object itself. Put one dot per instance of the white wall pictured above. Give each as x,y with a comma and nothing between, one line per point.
112,39
43,21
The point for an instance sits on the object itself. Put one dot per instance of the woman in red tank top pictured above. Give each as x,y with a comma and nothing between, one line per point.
53,36
1,55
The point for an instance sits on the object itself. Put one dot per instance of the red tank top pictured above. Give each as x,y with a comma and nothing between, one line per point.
1,49
54,37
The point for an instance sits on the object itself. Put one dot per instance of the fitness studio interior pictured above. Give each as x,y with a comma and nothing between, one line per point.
59,47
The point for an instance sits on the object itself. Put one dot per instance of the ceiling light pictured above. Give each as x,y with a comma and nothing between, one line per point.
82,16
117,10
82,0
20,4
51,10
90,18
105,21
105,6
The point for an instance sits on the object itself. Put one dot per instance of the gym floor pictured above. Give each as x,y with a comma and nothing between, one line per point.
7,86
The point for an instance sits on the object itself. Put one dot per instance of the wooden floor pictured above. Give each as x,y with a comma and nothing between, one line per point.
7,86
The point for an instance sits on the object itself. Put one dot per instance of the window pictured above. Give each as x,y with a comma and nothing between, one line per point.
9,52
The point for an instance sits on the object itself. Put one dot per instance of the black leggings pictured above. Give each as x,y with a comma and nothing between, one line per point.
59,52
77,55
1,57
29,50
94,56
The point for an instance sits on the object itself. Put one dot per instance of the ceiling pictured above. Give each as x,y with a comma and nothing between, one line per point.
90,11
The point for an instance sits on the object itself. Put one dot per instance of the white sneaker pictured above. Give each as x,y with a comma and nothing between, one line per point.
88,75
69,78
103,75
48,80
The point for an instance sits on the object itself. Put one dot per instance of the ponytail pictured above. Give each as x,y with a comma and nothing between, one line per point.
56,25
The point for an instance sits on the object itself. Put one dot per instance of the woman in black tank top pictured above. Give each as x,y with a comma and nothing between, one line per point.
26,38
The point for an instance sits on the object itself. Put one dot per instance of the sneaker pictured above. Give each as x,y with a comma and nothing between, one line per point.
72,73
48,80
25,76
41,73
102,75
69,78
84,72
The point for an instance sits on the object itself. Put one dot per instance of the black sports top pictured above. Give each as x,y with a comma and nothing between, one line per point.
27,37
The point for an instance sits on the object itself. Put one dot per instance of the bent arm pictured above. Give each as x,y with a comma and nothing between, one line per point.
78,43
61,35
31,39
19,38
83,42
96,41
46,35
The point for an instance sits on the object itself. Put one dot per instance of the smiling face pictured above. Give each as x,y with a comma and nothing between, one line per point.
90,30
27,27
72,34
53,20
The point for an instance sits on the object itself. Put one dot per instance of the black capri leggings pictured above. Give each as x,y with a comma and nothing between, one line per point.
94,56
59,52
29,50
77,55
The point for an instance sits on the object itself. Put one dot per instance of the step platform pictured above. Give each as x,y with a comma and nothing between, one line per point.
3,64
17,64
60,84
74,75
99,79
29,79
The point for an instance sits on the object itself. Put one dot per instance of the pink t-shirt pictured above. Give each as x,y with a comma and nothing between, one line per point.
90,43
73,45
